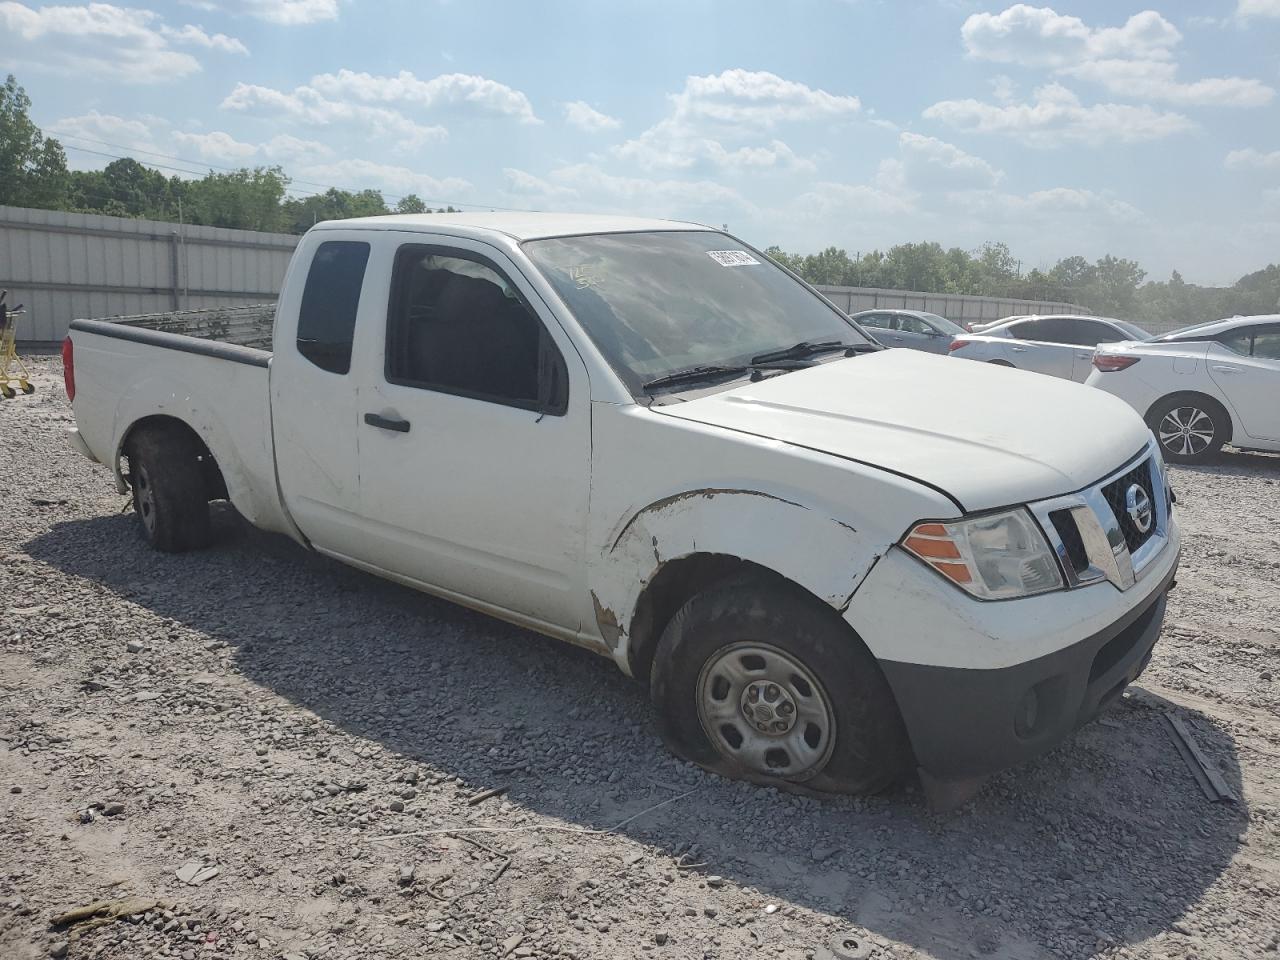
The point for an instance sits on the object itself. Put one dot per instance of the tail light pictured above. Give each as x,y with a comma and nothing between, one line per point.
957,343
69,368
1112,362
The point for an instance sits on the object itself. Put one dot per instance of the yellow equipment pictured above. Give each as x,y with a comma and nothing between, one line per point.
13,372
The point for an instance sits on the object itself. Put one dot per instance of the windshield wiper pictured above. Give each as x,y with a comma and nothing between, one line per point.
702,372
808,348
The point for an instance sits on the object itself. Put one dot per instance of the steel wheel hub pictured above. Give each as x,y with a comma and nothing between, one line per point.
766,711
146,500
1186,431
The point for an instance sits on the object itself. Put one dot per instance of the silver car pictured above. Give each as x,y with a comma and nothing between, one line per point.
1061,345
915,329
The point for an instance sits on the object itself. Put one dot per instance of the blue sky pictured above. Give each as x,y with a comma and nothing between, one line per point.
1088,127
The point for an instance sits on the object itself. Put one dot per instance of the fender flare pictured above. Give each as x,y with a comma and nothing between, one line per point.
252,491
764,529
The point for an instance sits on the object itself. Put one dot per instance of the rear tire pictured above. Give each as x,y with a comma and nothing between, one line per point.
1190,428
752,645
169,493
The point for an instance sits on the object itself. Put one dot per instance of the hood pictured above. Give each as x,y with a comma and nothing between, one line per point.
988,436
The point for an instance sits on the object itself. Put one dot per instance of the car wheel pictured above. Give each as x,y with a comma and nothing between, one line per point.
169,494
757,680
1189,428
1001,363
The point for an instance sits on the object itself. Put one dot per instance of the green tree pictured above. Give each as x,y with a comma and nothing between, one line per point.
411,204
33,168
244,199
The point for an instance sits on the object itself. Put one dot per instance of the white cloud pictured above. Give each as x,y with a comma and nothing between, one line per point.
94,127
527,185
450,89
736,106
1056,116
933,162
353,173
828,200
1134,61
305,105
215,146
581,114
1252,158
196,37
1157,80
1258,8
285,147
92,40
288,13
1039,36
656,197
1056,202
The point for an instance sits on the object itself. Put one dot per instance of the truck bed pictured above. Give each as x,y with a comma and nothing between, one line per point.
246,326
208,369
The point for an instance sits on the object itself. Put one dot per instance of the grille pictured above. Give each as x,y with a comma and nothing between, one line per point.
1069,534
1115,491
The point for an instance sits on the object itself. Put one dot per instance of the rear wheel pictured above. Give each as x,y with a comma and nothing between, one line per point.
757,680
1189,428
1001,363
169,493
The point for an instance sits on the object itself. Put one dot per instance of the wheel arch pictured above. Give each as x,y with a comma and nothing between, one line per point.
215,483
681,545
1198,396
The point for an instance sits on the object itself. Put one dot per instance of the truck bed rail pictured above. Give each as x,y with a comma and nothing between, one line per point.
244,326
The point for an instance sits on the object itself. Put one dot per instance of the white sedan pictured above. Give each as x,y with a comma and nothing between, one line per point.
1060,345
1202,386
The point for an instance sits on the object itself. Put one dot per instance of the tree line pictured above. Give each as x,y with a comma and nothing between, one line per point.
1110,286
34,173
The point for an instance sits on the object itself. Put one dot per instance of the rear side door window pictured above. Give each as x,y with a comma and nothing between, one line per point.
1266,342
1027,330
458,325
327,317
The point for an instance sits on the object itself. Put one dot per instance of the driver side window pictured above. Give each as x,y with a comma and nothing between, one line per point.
458,325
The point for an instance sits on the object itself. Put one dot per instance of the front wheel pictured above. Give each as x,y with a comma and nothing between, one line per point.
759,681
1189,429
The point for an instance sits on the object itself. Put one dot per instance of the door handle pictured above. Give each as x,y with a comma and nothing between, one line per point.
386,423
1085,356
1018,349
1224,368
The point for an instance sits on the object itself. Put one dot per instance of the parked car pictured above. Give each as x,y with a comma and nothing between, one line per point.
975,327
646,438
910,328
1061,346
1202,386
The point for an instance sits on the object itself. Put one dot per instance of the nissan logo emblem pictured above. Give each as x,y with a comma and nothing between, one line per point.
1138,505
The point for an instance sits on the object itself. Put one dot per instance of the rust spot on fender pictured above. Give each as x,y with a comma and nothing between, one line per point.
607,620
704,492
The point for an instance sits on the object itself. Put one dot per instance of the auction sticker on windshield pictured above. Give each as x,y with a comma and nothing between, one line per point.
733,258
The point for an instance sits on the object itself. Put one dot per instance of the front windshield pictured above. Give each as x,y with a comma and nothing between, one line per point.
655,303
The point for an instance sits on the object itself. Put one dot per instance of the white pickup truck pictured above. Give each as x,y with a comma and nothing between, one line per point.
830,563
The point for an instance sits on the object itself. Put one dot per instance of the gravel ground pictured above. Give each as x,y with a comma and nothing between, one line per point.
301,737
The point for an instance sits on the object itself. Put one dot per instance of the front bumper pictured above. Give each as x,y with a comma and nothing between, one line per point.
966,723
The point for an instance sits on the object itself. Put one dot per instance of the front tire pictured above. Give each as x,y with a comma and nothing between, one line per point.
169,494
757,680
1189,428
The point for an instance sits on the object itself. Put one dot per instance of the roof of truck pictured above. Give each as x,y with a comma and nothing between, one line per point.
521,226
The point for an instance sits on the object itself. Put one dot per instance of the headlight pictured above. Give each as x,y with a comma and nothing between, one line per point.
993,557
